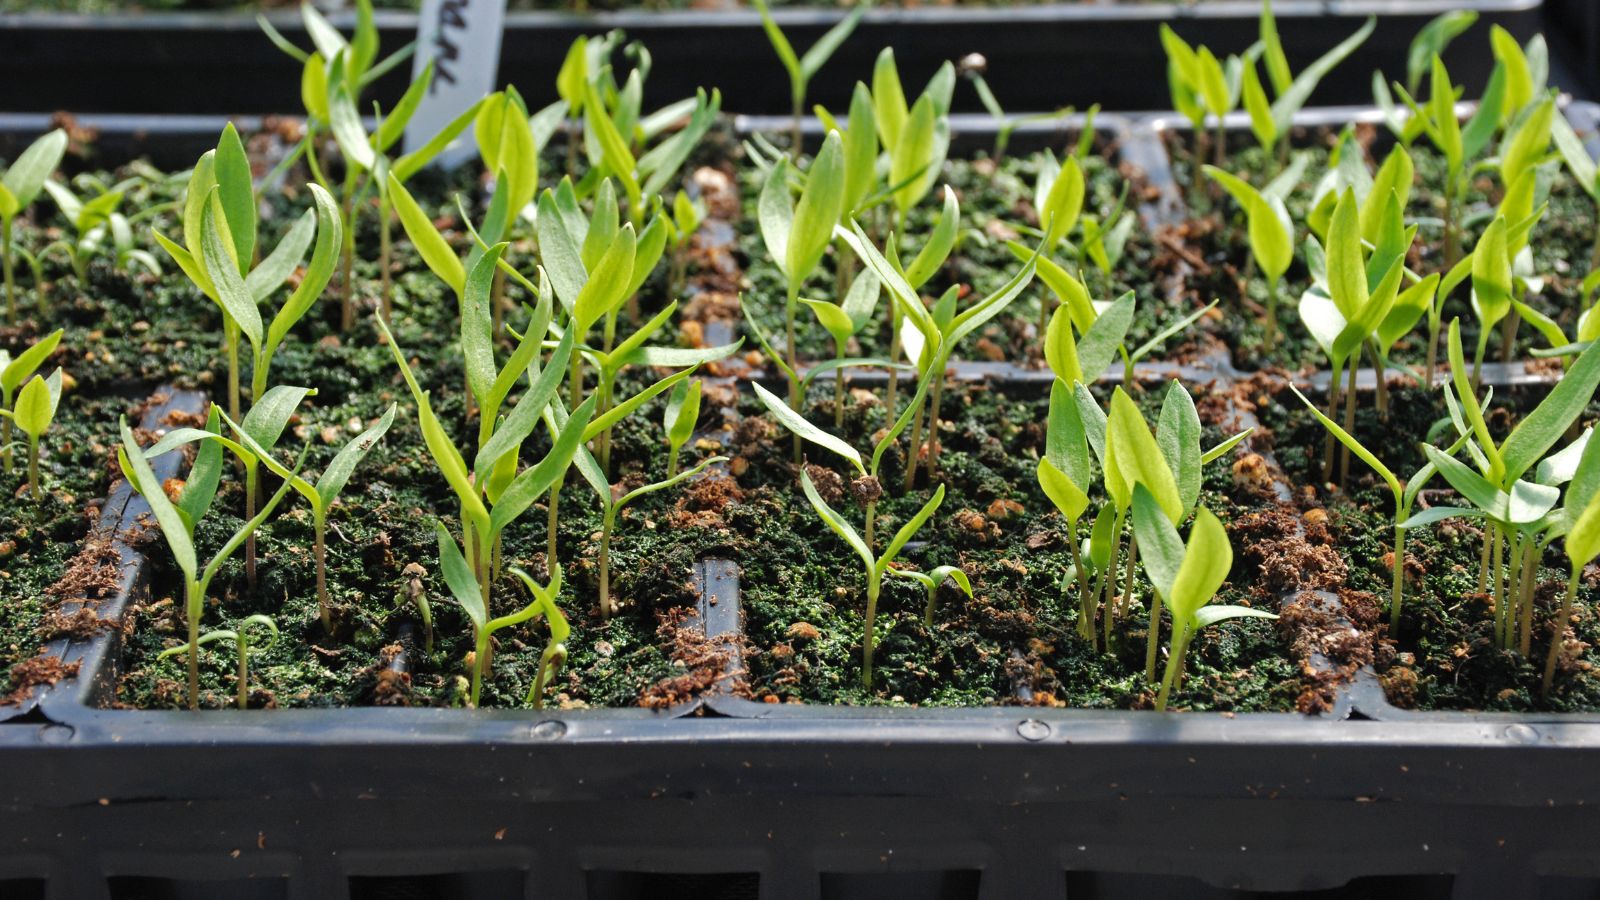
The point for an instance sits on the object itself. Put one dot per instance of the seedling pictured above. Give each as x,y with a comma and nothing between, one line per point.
1498,488
554,655
842,322
916,137
1271,121
459,576
1271,238
243,644
973,66
258,436
219,225
19,187
94,221
682,413
875,565
1200,85
35,410
802,69
1405,497
1354,294
797,236
611,506
14,373
931,581
492,493
320,495
177,520
1168,463
1460,145
936,333
1187,576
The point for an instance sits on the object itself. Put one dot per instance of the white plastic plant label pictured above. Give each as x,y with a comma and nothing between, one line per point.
462,38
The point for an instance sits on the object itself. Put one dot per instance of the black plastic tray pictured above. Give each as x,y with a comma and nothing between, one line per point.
1041,56
724,798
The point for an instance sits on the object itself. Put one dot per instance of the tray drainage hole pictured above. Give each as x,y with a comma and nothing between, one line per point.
22,888
1129,886
952,884
125,887
611,885
496,884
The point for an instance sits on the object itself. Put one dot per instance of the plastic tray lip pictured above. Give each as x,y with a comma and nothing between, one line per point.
743,18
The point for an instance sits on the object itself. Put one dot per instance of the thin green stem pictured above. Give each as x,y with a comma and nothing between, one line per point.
1349,422
33,469
194,605
607,523
1180,645
320,550
1528,576
1085,597
874,584
1397,591
230,340
933,423
1107,585
796,402
1558,630
1153,638
243,645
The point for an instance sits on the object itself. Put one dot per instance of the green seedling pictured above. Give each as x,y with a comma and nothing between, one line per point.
595,266
1498,487
875,565
1202,85
1168,462
1459,143
367,162
14,373
611,505
933,334
1078,312
973,66
1353,294
797,236
1271,238
258,435
679,420
243,644
321,494
1405,497
931,582
19,186
34,411
1271,121
1187,576
802,69
617,133
178,518
96,221
867,487
916,137
461,578
492,493
687,215
842,322
218,253
554,655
